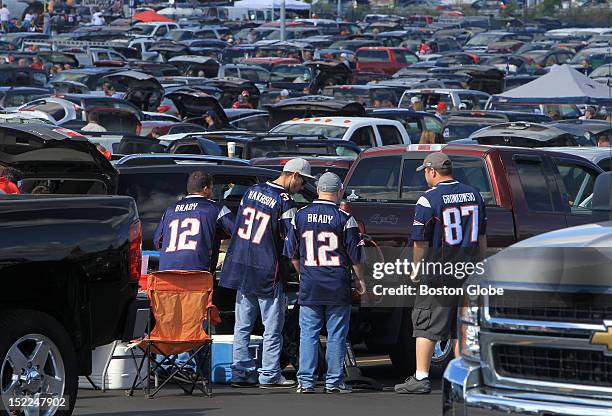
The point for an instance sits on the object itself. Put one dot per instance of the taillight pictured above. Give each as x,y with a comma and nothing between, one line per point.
163,108
135,253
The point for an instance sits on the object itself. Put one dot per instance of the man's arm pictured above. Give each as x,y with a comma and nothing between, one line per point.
482,247
359,270
159,234
419,252
296,265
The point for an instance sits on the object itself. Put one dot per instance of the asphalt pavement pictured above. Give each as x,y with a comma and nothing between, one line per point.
255,402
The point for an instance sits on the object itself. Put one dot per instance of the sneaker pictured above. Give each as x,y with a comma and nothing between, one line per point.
414,386
243,384
304,390
340,389
282,383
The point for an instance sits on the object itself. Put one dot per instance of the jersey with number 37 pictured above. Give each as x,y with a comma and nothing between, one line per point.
189,234
451,214
254,262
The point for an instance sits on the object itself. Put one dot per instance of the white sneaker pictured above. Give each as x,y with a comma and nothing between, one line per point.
340,389
282,383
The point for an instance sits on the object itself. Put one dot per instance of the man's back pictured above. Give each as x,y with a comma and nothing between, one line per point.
188,235
252,261
326,239
451,214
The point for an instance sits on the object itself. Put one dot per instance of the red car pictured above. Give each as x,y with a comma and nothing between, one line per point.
384,59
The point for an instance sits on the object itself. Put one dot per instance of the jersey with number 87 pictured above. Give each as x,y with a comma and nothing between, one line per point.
451,214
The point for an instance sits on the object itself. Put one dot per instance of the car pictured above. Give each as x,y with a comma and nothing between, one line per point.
588,130
248,119
548,57
91,77
95,253
152,29
461,124
415,122
599,156
521,342
524,190
22,76
474,99
384,59
603,74
524,134
370,96
365,132
13,97
481,41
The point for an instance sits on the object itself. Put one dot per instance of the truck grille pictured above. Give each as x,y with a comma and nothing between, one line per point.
551,306
554,365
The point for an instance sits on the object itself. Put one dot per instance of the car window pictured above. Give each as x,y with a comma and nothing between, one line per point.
230,188
375,178
578,182
373,56
413,127
606,164
533,181
231,72
161,31
433,124
466,169
103,56
390,135
253,123
364,137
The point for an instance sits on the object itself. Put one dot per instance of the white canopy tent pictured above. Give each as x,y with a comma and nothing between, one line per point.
271,4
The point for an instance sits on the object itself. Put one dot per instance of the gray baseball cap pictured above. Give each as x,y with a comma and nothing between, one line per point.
329,182
300,166
436,160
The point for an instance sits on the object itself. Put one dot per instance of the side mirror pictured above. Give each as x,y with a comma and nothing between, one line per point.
602,197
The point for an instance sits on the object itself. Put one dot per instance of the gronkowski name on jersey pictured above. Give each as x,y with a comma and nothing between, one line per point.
449,215
254,262
189,234
327,242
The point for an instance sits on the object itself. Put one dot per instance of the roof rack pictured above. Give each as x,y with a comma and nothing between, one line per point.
57,45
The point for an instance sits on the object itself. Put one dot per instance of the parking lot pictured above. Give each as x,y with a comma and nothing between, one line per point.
252,401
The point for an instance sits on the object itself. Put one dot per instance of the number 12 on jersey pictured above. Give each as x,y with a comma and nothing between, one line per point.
329,242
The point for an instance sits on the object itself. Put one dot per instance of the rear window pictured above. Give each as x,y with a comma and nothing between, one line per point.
373,56
331,132
378,178
55,110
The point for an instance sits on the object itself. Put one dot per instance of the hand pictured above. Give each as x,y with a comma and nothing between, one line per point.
360,287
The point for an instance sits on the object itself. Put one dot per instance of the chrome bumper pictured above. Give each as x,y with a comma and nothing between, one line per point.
464,394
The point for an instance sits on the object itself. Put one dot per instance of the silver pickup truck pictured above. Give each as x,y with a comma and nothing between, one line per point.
544,346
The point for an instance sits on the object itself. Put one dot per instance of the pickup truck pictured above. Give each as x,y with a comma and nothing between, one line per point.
527,192
544,346
70,271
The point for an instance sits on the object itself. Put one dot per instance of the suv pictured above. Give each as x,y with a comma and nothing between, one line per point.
365,132
474,99
383,59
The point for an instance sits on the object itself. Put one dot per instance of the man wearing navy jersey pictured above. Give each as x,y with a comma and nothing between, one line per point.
449,227
323,244
189,234
254,266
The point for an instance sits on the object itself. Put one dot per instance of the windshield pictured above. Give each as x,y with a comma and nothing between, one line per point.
483,39
179,35
143,30
368,98
331,132
602,71
70,76
460,131
292,71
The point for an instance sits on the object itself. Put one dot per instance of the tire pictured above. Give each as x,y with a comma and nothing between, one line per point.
23,331
403,353
443,354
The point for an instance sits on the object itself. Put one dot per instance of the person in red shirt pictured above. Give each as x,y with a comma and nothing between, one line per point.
37,63
6,185
243,101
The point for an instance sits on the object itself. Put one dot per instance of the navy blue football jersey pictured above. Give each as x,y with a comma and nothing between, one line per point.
327,242
189,234
451,214
253,262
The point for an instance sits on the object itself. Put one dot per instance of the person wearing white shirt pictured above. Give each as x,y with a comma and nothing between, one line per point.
5,15
97,19
92,124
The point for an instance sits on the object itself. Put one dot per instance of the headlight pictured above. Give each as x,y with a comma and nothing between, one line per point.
469,330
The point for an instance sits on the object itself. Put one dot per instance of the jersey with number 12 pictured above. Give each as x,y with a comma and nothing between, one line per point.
253,262
451,214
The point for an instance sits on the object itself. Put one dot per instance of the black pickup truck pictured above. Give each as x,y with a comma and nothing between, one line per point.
69,268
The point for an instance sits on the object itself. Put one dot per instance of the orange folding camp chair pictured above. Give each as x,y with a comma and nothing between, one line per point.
181,302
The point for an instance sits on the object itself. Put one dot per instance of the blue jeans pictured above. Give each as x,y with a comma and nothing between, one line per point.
337,319
273,317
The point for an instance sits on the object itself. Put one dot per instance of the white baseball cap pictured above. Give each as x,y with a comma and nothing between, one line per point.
300,166
415,99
